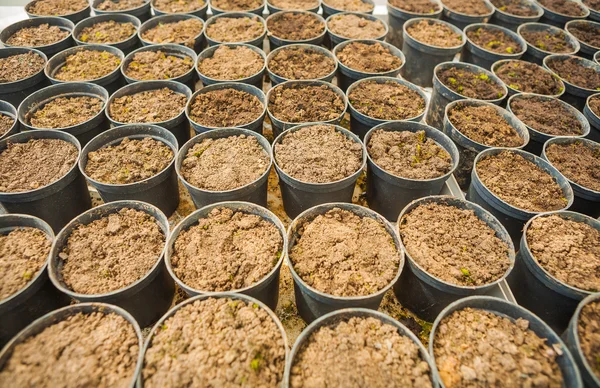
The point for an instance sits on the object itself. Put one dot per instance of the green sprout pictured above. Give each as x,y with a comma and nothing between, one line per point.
509,50
256,362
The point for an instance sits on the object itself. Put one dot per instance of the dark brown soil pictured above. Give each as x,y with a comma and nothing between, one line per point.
589,335
112,252
225,164
318,154
547,116
567,249
594,104
548,41
592,4
408,154
86,65
234,30
225,108
477,348
350,5
368,58
454,245
94,350
495,40
356,27
305,103
228,250
216,342
178,6
342,254
152,106
416,6
183,32
577,162
467,7
332,353
120,5
6,123
63,112
528,77
564,7
587,33
386,101
128,162
56,7
107,32
41,35
289,5
37,163
470,84
515,7
237,5
20,66
571,70
296,26
297,63
520,182
434,33
231,63
156,65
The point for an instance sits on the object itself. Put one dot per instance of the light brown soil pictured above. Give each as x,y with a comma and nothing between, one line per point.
225,164
63,112
157,65
225,108
520,182
128,162
494,40
577,162
41,35
94,350
475,348
386,101
234,30
86,65
356,27
318,154
368,58
416,6
6,123
410,155
231,63
120,5
301,103
575,73
589,335
349,353
20,66
467,7
594,104
298,63
515,7
151,106
237,5
178,6
350,5
470,84
107,32
34,164
56,7
586,33
547,116
564,7
289,5
528,77
295,26
434,33
592,4
183,32
548,41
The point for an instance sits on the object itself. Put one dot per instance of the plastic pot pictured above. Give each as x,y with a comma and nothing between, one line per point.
74,16
360,123
142,13
160,190
535,54
586,50
313,304
422,58
442,95
126,45
58,202
35,299
480,56
196,44
272,9
574,95
347,76
559,19
16,91
572,339
85,131
329,10
49,49
336,39
258,42
297,195
461,20
513,218
512,92
217,11
200,12
276,42
593,119
178,125
397,17
277,79
255,79
427,295
512,22
7,109
597,57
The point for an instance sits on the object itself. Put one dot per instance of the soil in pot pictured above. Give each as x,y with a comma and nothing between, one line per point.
520,183
34,164
454,245
577,162
56,7
231,63
237,5
302,5
178,6
416,6
227,250
107,32
36,36
182,32
97,350
119,5
528,77
295,26
297,63
470,84
20,66
474,347
589,335
594,104
368,58
63,112
301,103
225,108
434,34
157,65
350,5
548,41
332,353
87,65
386,100
575,73
130,161
355,27
564,7
586,33
467,7
232,30
547,116
495,40
152,106
220,342
592,4
515,7
6,123
225,164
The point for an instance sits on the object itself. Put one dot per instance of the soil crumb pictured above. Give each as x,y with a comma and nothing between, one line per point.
151,106
87,65
295,26
231,63
20,66
471,84
549,116
298,63
234,30
368,58
386,100
589,335
36,36
182,32
578,162
528,77
468,7
107,32
63,112
301,103
356,26
157,65
56,7
225,108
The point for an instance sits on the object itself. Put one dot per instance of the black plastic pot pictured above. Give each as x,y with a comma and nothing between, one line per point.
559,19
574,95
196,44
142,13
255,79
200,12
58,202
74,17
461,20
148,298
593,119
50,49
272,9
512,22
258,42
311,303
126,45
335,39
483,57
7,109
511,91
572,339
586,50
329,10
160,190
277,79
15,92
217,11
422,58
535,54
276,42
397,17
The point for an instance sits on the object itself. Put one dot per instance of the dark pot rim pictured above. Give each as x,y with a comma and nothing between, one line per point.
582,61
8,109
51,68
576,338
501,62
102,18
583,21
488,5
438,3
360,15
531,4
305,46
202,8
472,68
338,10
66,15
173,49
278,14
570,39
236,15
66,24
463,36
391,49
155,21
597,57
586,11
212,49
24,50
518,38
220,10
95,3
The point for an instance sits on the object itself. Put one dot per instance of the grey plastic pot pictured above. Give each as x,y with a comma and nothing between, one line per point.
572,339
387,193
276,42
535,54
427,295
7,109
126,45
297,195
272,8
74,16
277,79
597,57
336,39
258,42
512,91
255,79
442,95
266,289
360,123
513,218
397,17
329,10
58,202
160,190
178,125
311,303
85,131
422,58
16,91
461,20
512,22
593,119
511,311
574,95
142,13
148,298
217,11
586,50
200,12
49,49
255,126
480,56
196,43
559,19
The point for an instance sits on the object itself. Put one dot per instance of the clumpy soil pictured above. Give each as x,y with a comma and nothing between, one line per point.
368,58
225,164
495,40
297,63
295,26
470,84
556,43
520,182
305,103
594,104
225,108
157,65
231,63
227,250
515,7
356,27
95,350
63,112
350,5
86,65
178,6
592,4
386,101
410,155
237,5
528,77
563,7
151,106
289,5
586,33
216,342
120,5
345,354
128,162
589,335
112,252
56,7
416,6
229,29
107,32
20,66
342,254
571,70
577,162
183,32
467,7
434,33
34,164
474,348
567,249
23,253
547,116
454,245
6,123
318,154
41,35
